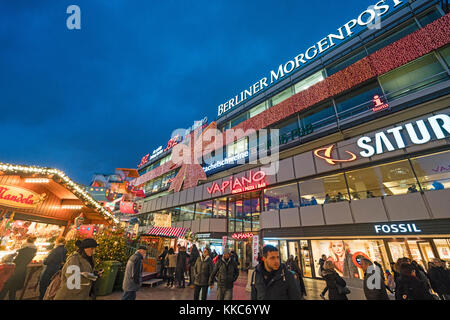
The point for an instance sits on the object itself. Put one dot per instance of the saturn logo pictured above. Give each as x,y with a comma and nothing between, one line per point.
325,154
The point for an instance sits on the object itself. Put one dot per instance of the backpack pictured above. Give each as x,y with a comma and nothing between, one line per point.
55,284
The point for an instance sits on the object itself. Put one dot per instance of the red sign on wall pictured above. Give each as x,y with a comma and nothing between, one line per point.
237,185
242,236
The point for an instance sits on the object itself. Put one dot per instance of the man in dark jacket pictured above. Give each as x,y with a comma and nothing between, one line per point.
193,256
53,262
181,267
162,260
202,272
409,286
227,272
133,274
440,279
374,287
272,281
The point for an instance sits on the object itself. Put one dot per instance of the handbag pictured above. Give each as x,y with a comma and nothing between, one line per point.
343,290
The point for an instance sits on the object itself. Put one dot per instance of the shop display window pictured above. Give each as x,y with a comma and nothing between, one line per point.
433,171
281,197
414,76
346,255
283,251
443,248
323,190
384,180
203,210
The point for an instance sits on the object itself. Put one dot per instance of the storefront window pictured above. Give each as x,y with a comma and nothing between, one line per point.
323,190
283,251
310,81
357,101
319,117
220,208
443,248
433,171
281,197
346,254
187,213
414,76
384,180
203,210
281,96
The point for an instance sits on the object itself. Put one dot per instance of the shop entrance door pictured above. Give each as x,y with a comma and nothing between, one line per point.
305,258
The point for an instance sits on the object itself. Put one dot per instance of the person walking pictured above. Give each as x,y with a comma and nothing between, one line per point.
162,261
192,259
181,267
53,263
293,266
321,263
271,280
409,287
82,261
335,284
373,284
202,272
17,281
132,280
226,273
439,278
171,264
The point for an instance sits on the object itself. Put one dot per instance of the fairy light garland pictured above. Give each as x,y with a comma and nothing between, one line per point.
74,187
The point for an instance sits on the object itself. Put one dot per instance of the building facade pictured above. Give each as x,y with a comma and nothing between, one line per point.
364,135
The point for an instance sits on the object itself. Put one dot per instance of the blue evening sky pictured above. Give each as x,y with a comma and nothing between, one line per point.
87,101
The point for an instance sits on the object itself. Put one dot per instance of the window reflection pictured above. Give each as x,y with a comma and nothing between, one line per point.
433,171
281,197
323,190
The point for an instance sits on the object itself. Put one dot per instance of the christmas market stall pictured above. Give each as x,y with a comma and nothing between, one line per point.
42,203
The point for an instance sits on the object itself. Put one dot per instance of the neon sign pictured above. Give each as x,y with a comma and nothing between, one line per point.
378,104
242,236
327,155
20,198
173,142
397,228
253,182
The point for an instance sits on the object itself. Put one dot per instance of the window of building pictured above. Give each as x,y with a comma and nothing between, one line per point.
433,171
204,210
309,81
341,252
320,116
187,212
281,197
358,55
165,159
443,248
288,130
383,180
241,118
429,17
238,147
220,208
156,185
175,214
414,76
258,109
323,190
445,53
357,101
281,96
396,35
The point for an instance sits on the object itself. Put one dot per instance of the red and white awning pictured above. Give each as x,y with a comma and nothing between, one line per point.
168,232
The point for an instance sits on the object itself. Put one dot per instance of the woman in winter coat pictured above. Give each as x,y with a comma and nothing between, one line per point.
333,280
53,263
171,263
181,267
193,256
202,272
81,261
17,281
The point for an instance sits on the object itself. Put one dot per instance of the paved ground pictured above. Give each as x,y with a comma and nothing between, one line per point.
161,292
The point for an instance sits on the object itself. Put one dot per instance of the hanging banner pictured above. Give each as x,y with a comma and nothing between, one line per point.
255,250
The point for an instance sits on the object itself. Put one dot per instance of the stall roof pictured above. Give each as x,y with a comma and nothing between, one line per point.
167,232
63,192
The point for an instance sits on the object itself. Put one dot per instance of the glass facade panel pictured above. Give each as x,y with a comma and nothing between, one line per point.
443,248
384,180
187,212
397,35
281,96
237,147
429,17
281,197
414,76
310,81
175,212
257,110
239,119
323,190
203,210
358,55
433,171
321,116
445,53
220,208
357,101
287,130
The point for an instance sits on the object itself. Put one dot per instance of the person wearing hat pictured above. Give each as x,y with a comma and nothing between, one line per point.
78,273
226,273
133,274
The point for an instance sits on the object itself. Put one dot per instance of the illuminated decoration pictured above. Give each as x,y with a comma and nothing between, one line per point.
357,256
76,189
16,197
242,236
128,207
85,230
149,157
173,142
36,180
226,161
243,184
378,104
327,155
397,228
71,207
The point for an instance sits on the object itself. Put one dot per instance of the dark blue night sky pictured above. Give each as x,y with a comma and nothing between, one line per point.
91,100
